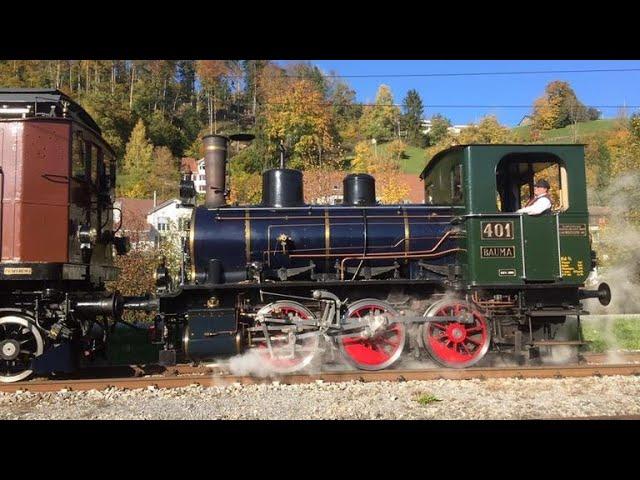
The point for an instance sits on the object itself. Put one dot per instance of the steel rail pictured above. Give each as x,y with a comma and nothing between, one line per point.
206,379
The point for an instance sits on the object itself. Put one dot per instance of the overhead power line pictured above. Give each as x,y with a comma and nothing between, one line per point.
478,74
464,74
431,106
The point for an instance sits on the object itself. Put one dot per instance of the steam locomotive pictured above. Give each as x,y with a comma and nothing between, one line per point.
57,178
450,279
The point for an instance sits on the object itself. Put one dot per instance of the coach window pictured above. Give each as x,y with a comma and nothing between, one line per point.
95,163
88,157
99,171
109,170
78,169
516,174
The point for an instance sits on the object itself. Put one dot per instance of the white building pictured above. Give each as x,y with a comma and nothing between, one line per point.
200,180
169,218
454,130
196,169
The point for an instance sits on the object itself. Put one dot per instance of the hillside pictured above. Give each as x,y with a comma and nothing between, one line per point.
566,134
414,159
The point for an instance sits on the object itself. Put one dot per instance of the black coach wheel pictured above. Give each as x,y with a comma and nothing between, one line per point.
20,343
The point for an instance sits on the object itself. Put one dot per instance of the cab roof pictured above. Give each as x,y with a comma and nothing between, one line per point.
517,147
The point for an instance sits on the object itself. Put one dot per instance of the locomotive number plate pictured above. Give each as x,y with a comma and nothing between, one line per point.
497,230
17,271
498,252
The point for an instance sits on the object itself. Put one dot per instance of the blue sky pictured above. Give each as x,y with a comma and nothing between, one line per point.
601,88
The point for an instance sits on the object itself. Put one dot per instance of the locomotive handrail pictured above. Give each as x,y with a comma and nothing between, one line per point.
498,214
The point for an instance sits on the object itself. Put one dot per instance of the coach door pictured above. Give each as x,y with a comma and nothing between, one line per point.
539,234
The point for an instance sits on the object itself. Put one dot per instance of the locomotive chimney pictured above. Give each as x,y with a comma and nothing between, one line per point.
215,168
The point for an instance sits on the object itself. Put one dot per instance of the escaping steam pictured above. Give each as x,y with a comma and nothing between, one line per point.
618,247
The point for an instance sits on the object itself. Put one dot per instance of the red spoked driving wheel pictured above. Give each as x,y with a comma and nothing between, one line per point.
382,341
283,358
453,343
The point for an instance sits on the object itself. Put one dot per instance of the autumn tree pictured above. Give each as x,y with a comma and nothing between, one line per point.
597,164
299,117
558,107
165,176
137,164
380,120
634,126
412,117
346,113
384,166
211,73
488,130
624,151
439,128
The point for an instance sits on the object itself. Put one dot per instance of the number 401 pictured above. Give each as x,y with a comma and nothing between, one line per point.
497,230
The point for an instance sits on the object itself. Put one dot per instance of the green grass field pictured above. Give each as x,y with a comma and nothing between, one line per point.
414,159
566,134
611,332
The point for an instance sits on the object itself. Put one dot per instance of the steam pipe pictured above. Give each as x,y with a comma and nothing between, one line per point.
143,304
111,306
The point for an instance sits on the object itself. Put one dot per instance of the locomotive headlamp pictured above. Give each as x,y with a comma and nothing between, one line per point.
187,190
87,236
284,240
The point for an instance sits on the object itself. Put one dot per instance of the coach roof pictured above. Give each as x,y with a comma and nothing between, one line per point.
42,99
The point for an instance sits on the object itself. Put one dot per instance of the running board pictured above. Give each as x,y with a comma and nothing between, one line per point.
551,343
555,313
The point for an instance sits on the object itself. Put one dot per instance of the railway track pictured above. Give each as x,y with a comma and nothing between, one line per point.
153,376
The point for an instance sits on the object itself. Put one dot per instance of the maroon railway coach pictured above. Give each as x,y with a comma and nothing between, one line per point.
57,178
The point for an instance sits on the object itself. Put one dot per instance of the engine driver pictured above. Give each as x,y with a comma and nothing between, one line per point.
541,202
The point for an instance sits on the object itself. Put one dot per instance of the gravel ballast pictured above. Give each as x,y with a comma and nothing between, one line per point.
438,399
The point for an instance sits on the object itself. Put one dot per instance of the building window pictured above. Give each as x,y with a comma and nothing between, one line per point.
163,224
201,177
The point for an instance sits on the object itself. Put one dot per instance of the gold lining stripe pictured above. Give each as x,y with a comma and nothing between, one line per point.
247,235
407,233
327,232
192,229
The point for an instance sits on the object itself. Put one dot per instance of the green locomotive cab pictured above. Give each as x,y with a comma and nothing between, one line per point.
487,184
524,273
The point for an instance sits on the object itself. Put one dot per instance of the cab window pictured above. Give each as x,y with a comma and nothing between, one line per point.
444,184
456,184
517,173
